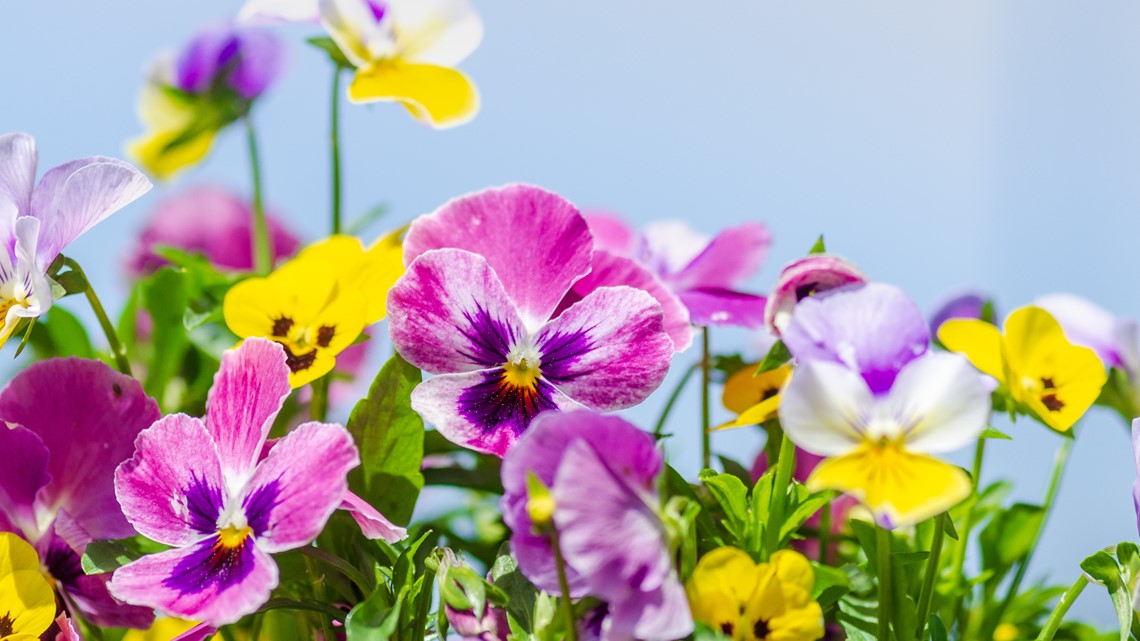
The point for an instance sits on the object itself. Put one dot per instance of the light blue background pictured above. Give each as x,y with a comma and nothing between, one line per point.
938,144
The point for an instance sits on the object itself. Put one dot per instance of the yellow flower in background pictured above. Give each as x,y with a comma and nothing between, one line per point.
756,602
163,629
1033,361
169,144
318,303
27,602
755,398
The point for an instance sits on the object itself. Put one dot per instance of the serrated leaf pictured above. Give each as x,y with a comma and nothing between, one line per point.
732,495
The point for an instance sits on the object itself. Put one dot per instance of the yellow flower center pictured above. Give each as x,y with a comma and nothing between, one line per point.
301,343
520,374
234,537
540,509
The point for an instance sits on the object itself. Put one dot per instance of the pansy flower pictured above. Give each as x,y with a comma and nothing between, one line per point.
38,220
204,488
968,304
317,305
1033,361
26,598
486,274
704,273
198,91
748,601
753,397
868,397
53,492
812,274
601,476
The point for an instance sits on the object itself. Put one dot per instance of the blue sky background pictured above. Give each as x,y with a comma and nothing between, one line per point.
939,145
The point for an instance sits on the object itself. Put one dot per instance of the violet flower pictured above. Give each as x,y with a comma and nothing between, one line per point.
810,275
963,305
602,475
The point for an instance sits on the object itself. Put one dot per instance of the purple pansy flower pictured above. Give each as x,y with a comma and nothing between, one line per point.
38,220
602,475
53,491
704,273
486,274
243,60
809,275
203,487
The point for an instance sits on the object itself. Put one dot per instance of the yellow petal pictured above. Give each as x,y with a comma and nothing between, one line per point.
726,570
903,487
798,624
383,266
25,595
166,120
163,629
980,342
793,568
323,363
744,389
339,253
437,96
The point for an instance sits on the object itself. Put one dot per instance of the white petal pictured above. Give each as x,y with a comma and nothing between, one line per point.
942,400
825,408
437,32
262,12
356,31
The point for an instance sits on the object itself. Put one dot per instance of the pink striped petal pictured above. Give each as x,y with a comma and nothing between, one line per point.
612,234
730,258
711,307
372,523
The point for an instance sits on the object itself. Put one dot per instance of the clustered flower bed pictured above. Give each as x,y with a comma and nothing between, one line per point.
186,482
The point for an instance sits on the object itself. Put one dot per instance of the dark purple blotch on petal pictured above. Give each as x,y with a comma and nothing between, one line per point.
562,351
212,565
489,336
258,506
495,404
204,504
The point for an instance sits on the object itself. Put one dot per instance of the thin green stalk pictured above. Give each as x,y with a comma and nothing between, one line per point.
334,142
262,243
564,586
824,535
706,408
319,405
958,563
346,568
117,349
886,596
785,468
673,400
926,595
307,606
1058,614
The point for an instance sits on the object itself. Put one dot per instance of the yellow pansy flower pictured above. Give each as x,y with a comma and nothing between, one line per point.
318,303
1033,361
168,119
755,398
756,602
27,602
163,629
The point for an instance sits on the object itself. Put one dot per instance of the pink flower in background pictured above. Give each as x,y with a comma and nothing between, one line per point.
810,275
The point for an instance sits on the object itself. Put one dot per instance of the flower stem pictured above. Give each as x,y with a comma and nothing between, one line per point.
1058,614
334,148
564,586
319,405
883,547
673,400
926,596
785,467
117,349
959,560
706,410
262,248
824,536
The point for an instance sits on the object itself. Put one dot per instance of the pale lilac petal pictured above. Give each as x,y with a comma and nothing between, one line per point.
450,313
964,305
609,270
1086,324
668,246
732,257
248,392
299,485
208,52
710,307
25,472
657,615
479,412
810,275
535,240
172,490
75,196
609,350
873,329
191,583
612,234
372,523
104,412
17,176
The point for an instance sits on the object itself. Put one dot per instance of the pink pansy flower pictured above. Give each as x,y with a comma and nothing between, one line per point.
53,492
478,307
805,277
205,488
704,273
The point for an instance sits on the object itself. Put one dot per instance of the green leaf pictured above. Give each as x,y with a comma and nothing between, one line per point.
521,594
736,469
732,495
776,356
165,298
109,555
374,619
1009,536
329,46
830,585
72,282
59,333
937,628
804,511
390,435
818,247
1104,569
993,433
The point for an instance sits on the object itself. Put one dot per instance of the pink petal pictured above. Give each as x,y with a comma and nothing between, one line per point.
23,476
732,257
612,234
805,277
372,523
656,615
710,307
535,240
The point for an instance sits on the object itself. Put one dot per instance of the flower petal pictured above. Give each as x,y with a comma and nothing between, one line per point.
249,389
450,313
214,585
609,350
299,485
372,523
657,615
275,11
1086,324
90,595
535,241
612,234
1136,458
942,400
172,490
109,409
22,477
710,307
437,96
805,277
356,29
978,341
728,260
437,32
17,176
26,595
963,305
824,407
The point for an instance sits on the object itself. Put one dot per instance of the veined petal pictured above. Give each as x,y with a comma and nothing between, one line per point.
355,28
825,408
899,487
728,260
22,476
206,582
440,97
612,234
275,11
249,389
24,593
17,176
437,32
709,307
299,485
656,615
373,524
806,277
450,313
90,595
609,350
172,490
979,341
536,242
942,401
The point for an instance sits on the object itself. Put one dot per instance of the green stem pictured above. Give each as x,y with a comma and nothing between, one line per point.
673,400
117,349
345,568
958,562
334,135
926,595
319,405
785,467
308,606
1058,614
262,247
824,535
706,408
886,596
564,586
